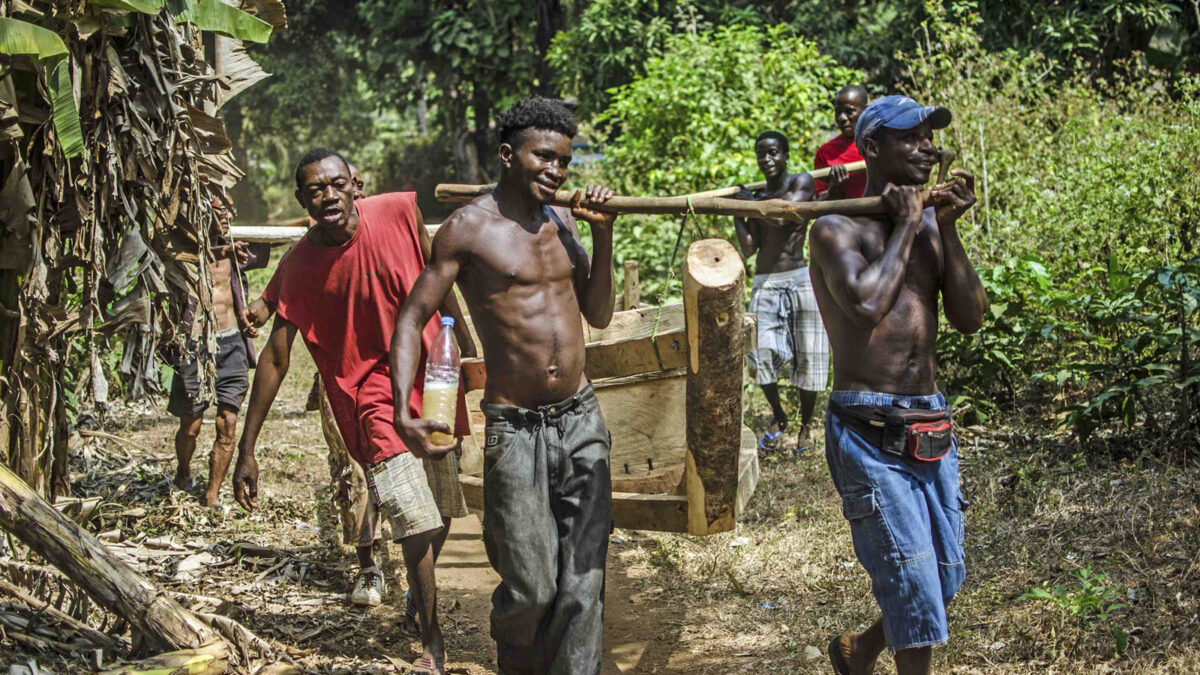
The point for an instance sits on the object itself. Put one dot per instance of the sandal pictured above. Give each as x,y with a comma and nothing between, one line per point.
769,442
427,666
836,659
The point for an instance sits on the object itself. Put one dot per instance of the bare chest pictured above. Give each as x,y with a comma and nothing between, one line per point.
924,270
524,258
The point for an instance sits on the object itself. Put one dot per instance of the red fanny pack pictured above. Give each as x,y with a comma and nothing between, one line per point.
915,435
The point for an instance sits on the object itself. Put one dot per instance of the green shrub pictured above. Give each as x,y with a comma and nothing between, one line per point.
689,122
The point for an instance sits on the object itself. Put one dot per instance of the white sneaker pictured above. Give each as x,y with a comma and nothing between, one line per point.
369,588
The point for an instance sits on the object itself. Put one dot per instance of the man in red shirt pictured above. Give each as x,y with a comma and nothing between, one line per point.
341,287
847,106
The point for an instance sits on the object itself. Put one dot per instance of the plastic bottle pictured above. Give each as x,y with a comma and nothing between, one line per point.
439,401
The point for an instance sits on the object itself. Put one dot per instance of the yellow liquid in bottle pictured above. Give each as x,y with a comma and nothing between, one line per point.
439,402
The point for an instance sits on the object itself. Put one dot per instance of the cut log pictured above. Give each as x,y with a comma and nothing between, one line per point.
278,235
713,289
164,624
713,206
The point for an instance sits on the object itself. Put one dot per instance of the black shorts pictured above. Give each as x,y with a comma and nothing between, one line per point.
233,380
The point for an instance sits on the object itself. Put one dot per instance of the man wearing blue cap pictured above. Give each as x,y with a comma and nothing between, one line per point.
889,441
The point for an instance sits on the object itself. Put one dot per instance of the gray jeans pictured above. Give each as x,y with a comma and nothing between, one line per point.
547,514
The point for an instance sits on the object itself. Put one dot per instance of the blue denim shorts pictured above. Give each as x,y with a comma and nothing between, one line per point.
906,522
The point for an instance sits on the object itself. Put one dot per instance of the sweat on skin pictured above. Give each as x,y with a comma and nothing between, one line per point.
527,279
878,280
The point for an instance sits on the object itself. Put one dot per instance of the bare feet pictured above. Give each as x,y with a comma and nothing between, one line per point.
803,440
183,480
211,498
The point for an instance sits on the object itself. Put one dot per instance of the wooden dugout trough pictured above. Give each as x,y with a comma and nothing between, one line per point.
670,386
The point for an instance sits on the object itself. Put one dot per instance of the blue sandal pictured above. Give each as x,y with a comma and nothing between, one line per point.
769,442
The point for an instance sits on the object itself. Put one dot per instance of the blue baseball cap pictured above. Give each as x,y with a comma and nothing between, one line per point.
898,112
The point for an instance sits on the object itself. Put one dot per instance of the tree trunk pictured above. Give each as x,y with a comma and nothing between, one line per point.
481,105
713,288
551,18
163,623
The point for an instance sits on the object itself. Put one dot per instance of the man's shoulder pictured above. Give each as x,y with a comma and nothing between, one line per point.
388,205
832,229
467,221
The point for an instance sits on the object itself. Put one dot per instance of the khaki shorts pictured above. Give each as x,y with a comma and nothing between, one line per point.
357,502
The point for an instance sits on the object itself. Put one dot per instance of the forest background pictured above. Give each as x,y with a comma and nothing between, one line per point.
1080,120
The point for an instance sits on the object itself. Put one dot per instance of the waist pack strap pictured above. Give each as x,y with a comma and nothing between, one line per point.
885,427
863,421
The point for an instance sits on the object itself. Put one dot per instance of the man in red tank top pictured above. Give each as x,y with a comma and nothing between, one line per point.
847,106
340,288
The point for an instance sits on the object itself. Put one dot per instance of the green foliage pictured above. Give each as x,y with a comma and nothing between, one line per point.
1092,601
611,44
217,17
24,38
689,122
1088,196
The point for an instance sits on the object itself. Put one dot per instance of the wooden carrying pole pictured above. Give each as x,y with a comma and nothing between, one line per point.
708,205
713,289
714,206
164,624
818,174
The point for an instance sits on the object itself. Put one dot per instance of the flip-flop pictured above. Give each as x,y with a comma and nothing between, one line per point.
427,666
835,657
768,441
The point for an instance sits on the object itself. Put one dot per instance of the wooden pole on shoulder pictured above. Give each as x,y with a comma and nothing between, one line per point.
713,286
818,174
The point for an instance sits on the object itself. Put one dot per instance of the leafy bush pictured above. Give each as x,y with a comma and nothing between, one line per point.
688,124
1084,234
1093,601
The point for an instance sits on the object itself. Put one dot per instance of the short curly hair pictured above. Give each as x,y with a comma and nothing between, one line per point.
535,112
773,136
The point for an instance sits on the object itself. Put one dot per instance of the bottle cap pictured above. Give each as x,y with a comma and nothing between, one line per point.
448,321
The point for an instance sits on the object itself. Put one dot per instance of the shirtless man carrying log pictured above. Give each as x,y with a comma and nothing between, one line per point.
547,491
789,324
890,450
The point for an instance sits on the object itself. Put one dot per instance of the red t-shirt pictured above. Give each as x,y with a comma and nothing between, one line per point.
343,301
841,150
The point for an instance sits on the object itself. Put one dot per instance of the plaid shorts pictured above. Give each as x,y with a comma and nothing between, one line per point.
415,494
789,331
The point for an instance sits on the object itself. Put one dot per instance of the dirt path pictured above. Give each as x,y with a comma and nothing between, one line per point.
762,599
302,605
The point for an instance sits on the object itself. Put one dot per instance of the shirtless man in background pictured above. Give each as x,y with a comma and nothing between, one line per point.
234,358
547,489
789,323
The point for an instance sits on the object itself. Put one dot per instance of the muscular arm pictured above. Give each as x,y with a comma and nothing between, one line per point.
449,306
273,364
865,291
963,295
434,282
594,279
745,237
